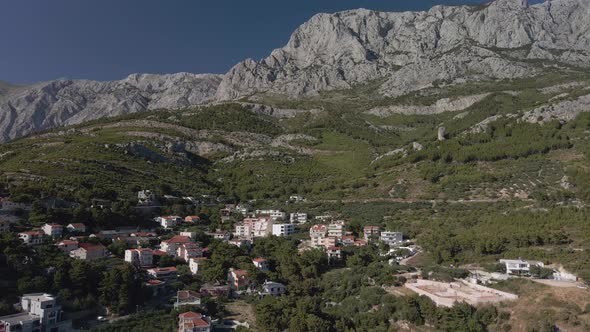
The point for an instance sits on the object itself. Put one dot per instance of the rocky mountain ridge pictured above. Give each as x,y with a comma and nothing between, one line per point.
503,39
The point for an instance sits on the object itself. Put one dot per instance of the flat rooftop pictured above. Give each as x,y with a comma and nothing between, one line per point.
17,318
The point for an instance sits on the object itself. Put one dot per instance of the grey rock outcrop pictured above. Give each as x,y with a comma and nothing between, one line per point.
28,109
413,50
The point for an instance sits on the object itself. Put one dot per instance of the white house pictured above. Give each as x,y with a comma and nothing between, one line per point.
261,263
187,297
391,238
194,264
171,245
519,266
189,250
283,229
53,230
41,312
334,253
273,288
273,214
89,252
140,257
67,245
193,322
336,229
169,221
298,218
76,228
317,234
371,232
32,238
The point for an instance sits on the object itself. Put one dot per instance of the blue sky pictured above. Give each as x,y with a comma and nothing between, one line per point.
109,39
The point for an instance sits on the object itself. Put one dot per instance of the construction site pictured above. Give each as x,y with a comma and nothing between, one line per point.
446,294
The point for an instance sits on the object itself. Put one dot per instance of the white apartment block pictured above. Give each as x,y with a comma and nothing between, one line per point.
336,229
520,266
298,218
283,229
273,214
141,257
391,238
32,238
169,221
53,230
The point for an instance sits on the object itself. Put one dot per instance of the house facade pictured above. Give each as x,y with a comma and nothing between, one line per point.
32,238
195,263
283,229
76,228
273,288
317,233
68,245
89,252
140,257
371,232
261,263
41,312
520,266
171,245
298,218
193,322
238,279
53,230
391,238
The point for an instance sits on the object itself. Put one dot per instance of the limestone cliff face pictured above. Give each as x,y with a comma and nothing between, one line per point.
409,51
414,49
28,109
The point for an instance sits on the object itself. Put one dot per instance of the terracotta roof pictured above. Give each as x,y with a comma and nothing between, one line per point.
190,314
196,323
178,239
78,225
318,228
333,248
33,233
91,246
187,294
348,237
55,225
240,273
259,260
66,242
154,282
159,253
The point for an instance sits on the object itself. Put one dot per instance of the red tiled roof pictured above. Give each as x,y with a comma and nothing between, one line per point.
240,273
66,242
190,314
259,260
55,225
178,239
33,233
187,294
333,248
159,253
91,246
154,282
318,227
78,225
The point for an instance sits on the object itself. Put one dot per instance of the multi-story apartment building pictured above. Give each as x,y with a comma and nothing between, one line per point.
283,229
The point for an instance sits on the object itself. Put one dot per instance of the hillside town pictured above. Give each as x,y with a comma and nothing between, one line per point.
173,251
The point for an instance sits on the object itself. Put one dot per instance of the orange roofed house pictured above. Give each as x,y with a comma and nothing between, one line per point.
170,246
193,322
238,279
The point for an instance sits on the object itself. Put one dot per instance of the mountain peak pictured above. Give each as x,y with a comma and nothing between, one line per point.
512,3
